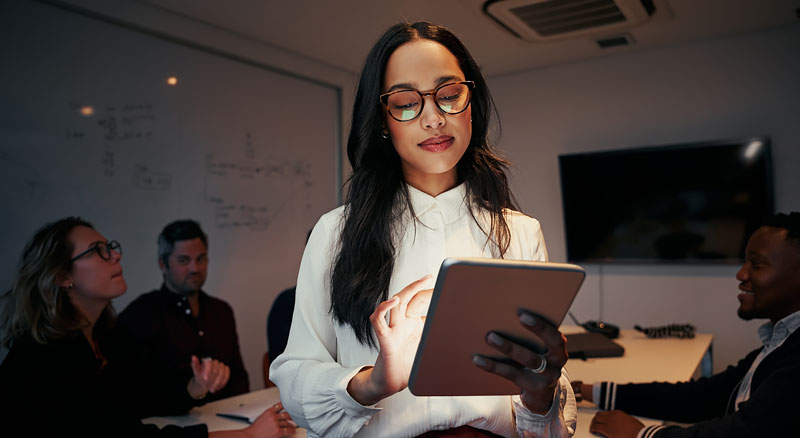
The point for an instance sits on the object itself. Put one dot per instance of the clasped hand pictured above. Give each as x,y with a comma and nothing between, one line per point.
615,424
210,375
610,424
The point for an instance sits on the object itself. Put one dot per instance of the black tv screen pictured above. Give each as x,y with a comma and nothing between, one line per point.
688,203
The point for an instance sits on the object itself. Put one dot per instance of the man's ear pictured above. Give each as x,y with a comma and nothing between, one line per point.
162,265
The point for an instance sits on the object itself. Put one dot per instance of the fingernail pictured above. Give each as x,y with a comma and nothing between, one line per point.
527,319
479,361
494,339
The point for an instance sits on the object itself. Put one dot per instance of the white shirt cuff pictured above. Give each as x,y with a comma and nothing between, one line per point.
352,407
559,421
532,422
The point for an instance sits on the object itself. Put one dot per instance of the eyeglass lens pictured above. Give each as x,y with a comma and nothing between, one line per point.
406,105
105,248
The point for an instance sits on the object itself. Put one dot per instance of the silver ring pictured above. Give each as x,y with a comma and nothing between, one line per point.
540,368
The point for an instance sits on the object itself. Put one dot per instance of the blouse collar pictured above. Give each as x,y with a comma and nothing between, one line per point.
451,205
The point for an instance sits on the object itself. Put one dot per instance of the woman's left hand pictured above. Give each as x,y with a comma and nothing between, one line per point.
535,369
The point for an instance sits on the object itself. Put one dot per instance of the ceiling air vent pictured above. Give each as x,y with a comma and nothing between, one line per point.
544,20
615,41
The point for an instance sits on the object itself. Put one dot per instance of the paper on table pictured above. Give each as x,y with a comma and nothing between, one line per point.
246,408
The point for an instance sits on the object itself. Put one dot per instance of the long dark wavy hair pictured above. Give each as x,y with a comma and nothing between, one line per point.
377,197
37,305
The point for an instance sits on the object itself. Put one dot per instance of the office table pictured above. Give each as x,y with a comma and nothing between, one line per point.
645,360
260,400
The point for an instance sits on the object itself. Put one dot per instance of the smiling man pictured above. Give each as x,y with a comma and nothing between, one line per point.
183,340
754,398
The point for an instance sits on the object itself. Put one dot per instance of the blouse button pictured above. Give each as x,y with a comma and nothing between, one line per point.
200,333
188,311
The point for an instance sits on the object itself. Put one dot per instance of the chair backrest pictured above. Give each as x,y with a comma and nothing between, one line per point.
279,321
265,371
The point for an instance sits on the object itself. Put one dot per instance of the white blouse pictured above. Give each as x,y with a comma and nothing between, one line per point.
322,356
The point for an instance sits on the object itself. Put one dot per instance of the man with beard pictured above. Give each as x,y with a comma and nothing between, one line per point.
183,340
756,397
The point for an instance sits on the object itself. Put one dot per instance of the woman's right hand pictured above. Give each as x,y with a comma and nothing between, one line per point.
398,340
274,422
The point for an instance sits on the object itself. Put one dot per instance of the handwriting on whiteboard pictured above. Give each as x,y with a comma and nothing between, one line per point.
145,179
252,193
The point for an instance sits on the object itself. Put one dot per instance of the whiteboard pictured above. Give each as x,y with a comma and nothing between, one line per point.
89,126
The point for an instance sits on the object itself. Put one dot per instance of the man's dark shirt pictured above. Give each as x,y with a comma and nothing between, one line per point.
164,335
771,410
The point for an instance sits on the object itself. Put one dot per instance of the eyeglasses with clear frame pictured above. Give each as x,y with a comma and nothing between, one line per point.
103,250
407,105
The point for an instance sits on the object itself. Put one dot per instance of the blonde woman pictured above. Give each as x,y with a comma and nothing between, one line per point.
62,376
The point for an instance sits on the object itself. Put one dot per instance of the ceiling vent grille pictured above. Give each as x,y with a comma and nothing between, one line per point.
544,20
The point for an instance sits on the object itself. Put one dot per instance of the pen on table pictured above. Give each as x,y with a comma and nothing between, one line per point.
235,417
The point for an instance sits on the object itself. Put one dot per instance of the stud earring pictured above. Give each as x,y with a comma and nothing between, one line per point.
385,134
70,286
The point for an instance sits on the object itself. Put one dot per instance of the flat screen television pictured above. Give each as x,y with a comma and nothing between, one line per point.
686,203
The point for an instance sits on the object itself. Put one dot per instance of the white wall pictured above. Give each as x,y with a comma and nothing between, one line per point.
717,89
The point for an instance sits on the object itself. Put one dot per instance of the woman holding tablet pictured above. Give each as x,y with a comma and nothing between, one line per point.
63,375
426,185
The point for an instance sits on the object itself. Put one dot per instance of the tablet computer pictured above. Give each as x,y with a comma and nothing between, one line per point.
473,296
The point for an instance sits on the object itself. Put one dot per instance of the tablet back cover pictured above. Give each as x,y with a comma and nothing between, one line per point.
473,296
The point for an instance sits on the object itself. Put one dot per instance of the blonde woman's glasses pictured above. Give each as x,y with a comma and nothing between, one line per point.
103,249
